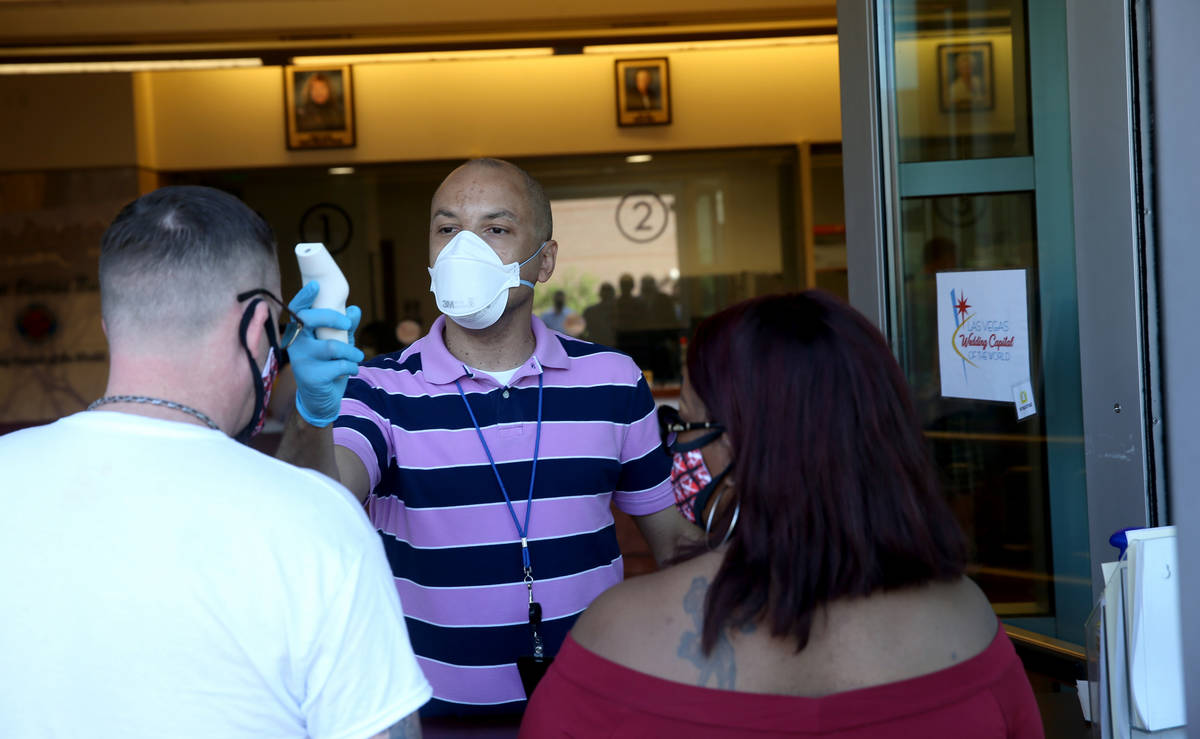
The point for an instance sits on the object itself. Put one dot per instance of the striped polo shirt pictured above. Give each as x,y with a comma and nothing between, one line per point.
453,547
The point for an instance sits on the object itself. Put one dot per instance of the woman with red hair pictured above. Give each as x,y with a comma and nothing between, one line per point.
830,597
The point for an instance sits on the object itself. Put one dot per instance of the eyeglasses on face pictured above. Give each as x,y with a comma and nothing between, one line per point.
670,426
293,325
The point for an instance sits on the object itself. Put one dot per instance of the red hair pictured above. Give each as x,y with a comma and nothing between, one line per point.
838,494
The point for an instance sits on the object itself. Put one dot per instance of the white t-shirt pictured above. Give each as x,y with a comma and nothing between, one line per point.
160,579
501,376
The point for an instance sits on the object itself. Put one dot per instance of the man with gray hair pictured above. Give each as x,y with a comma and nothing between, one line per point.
161,578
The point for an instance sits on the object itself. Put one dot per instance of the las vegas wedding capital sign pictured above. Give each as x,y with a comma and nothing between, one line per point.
983,335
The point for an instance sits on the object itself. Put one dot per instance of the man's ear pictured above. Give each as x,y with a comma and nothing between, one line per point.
547,260
256,332
104,327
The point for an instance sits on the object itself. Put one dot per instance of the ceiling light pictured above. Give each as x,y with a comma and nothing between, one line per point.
144,65
341,170
639,158
425,56
714,45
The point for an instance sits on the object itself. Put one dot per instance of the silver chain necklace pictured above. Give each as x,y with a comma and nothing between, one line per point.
155,401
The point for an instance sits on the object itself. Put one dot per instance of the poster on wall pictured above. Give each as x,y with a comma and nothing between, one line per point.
983,335
643,92
319,107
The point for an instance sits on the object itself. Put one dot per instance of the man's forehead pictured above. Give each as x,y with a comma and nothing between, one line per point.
499,191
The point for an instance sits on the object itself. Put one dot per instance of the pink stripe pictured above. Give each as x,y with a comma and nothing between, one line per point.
641,438
644,503
501,605
395,380
498,684
608,368
468,526
354,441
511,442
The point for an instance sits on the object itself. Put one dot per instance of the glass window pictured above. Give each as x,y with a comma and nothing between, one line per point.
994,467
828,220
677,236
961,78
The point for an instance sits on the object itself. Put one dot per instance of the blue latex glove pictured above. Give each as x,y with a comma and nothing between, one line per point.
322,366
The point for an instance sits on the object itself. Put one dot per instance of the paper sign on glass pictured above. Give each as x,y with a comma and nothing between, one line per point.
983,333
1023,398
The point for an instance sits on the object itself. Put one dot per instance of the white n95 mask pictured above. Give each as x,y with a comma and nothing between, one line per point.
471,284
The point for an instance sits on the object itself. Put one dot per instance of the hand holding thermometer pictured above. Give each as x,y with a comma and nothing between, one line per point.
317,264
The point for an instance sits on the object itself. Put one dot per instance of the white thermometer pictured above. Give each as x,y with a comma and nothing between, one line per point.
317,264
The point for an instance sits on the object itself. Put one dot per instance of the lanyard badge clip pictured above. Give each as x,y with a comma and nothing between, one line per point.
535,608
532,668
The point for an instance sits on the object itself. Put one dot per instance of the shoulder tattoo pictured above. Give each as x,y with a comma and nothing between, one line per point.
719,667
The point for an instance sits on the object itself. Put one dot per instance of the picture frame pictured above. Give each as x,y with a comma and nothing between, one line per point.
643,92
966,77
319,107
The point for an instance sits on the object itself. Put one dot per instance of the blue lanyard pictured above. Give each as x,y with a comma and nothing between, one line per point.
522,531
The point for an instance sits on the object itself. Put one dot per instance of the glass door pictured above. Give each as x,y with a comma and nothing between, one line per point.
977,234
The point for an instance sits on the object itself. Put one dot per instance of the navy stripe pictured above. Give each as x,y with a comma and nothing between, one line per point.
499,564
643,401
412,365
372,434
576,348
484,646
476,484
645,472
610,403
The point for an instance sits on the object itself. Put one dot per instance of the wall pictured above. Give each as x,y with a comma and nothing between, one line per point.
66,122
517,107
1177,179
53,358
233,119
67,164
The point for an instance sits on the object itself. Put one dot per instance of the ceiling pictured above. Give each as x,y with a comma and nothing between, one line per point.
50,30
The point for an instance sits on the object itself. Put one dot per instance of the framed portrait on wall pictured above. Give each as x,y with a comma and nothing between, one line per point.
966,81
643,92
319,107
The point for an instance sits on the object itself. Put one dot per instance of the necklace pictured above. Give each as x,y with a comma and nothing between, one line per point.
155,401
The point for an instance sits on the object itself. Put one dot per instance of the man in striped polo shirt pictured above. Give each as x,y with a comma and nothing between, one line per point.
488,452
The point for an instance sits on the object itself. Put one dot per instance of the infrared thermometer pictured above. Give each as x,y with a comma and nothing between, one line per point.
316,263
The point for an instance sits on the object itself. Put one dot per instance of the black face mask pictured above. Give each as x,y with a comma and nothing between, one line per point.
705,494
262,379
